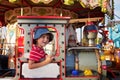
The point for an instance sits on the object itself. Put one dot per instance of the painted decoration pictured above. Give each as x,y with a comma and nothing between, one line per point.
115,35
10,16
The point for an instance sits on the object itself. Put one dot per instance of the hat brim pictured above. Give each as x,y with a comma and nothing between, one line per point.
39,32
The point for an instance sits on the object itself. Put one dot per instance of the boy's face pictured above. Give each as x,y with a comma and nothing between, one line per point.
43,40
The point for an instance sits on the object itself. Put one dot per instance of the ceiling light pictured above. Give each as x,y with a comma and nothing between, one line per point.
36,1
12,1
68,2
46,1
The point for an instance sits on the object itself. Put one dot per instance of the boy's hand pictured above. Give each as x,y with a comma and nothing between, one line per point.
48,58
53,53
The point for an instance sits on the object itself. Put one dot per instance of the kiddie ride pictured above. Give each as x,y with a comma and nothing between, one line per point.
112,57
70,63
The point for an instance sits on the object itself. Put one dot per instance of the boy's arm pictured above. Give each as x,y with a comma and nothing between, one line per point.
32,64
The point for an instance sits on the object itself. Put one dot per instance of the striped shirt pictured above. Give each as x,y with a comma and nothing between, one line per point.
36,54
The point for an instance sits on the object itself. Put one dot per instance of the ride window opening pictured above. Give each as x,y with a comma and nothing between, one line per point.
51,47
51,70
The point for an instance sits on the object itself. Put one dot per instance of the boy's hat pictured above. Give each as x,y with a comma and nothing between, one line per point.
39,32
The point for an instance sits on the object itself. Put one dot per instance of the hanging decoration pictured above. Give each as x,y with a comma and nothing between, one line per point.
84,3
68,2
93,3
89,3
104,6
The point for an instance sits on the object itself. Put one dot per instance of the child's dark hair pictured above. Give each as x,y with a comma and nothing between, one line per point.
35,41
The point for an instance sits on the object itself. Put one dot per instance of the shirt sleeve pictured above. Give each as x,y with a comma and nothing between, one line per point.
36,55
